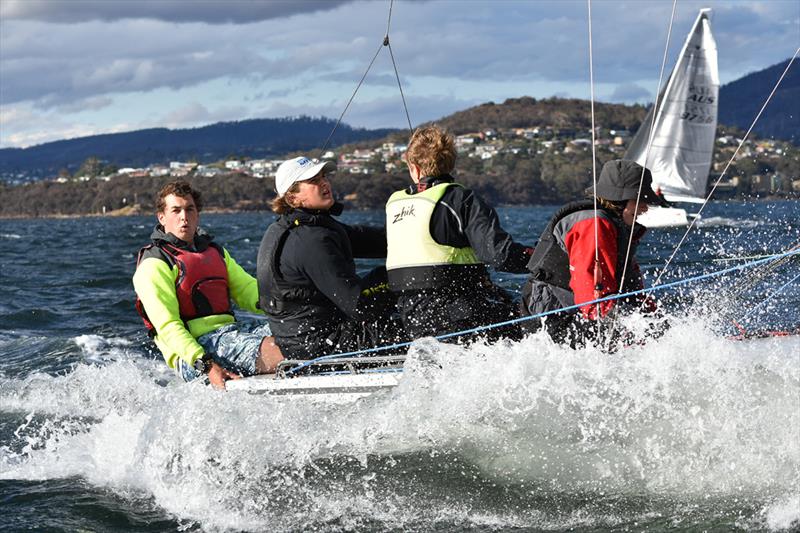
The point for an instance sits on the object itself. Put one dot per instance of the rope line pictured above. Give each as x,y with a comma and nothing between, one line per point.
396,75
322,151
596,270
768,298
725,170
547,313
650,137
389,18
385,43
757,276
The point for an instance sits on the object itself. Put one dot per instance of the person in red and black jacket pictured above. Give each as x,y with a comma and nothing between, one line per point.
564,268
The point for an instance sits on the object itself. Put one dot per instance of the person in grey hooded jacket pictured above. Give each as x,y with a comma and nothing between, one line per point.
581,255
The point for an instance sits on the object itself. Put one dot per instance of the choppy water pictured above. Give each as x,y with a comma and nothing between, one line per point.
693,431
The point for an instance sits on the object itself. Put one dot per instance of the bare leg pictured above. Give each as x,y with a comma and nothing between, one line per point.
269,356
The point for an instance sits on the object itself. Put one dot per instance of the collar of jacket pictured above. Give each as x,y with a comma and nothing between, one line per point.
201,239
638,230
312,217
426,182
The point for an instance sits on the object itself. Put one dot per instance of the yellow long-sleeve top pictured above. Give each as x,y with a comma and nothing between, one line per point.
154,283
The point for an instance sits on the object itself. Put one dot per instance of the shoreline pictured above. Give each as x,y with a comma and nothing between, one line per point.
124,212
137,210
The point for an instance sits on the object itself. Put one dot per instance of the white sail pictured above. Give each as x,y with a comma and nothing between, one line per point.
686,120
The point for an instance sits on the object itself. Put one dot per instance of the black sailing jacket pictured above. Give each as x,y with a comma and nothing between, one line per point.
306,273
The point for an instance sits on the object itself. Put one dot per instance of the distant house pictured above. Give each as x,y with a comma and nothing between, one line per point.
581,142
175,165
159,171
527,133
128,170
465,142
390,149
467,139
179,169
207,172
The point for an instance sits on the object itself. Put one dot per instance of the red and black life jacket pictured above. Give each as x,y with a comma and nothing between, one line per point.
202,283
549,263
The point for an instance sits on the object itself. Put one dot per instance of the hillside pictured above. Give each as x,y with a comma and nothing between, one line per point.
559,113
256,138
740,101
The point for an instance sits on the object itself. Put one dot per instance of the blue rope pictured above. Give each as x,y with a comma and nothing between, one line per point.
546,313
768,298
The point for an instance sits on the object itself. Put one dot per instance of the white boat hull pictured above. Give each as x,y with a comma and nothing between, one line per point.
328,387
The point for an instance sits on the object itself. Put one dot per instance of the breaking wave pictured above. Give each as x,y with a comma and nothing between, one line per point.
526,434
729,222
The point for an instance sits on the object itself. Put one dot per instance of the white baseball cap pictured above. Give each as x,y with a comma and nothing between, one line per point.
299,169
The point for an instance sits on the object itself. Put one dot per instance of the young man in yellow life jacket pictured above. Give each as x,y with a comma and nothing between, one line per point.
184,284
441,236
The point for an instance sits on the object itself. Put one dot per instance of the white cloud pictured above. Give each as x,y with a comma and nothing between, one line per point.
80,58
94,103
237,11
23,125
93,59
196,114
382,112
630,92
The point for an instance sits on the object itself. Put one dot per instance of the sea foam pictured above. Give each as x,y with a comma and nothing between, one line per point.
689,417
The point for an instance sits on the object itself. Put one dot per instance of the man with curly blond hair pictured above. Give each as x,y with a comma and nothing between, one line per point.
441,237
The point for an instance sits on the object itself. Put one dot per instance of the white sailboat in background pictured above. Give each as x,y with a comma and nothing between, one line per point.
685,128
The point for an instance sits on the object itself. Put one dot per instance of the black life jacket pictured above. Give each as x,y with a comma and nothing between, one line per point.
281,300
549,263
202,283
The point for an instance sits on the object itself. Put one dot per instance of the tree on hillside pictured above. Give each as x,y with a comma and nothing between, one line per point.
91,167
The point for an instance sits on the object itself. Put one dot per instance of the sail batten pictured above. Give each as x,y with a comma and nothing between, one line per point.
686,120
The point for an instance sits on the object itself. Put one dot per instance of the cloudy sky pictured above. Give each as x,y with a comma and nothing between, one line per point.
70,68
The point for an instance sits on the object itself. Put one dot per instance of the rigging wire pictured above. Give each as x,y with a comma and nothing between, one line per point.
596,275
385,43
650,137
397,76
346,107
768,298
725,170
758,275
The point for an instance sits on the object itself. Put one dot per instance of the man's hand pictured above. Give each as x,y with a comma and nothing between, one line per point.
218,376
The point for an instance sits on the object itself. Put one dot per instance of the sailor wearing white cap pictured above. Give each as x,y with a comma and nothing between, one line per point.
308,287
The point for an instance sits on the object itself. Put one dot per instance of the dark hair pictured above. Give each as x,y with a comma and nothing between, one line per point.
178,188
283,204
616,206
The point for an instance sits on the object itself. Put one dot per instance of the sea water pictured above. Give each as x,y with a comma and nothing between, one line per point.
692,431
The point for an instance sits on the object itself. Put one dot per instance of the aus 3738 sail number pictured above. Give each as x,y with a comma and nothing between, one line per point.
694,117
